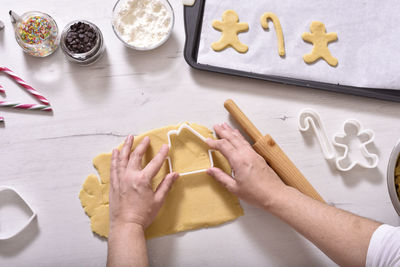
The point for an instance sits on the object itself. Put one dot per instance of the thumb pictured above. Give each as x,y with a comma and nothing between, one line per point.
227,181
164,187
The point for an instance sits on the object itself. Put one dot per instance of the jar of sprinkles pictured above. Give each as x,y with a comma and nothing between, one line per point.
37,33
82,42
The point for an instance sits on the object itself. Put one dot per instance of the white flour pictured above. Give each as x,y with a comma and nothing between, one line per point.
143,23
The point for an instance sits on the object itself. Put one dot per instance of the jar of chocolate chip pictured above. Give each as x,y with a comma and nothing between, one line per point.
82,42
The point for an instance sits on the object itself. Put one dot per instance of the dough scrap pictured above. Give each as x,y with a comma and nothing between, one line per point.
278,29
320,39
195,201
230,28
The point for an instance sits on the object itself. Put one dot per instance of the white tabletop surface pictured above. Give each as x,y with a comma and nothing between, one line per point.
47,157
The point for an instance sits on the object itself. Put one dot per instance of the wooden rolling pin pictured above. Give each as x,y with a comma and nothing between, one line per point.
273,154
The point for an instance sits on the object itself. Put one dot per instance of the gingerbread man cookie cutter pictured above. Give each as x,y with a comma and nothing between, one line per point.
372,158
4,235
197,134
309,118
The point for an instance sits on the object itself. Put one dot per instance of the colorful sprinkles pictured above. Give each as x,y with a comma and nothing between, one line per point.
37,34
35,30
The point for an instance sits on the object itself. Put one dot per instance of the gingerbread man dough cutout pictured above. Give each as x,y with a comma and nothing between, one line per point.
320,39
230,28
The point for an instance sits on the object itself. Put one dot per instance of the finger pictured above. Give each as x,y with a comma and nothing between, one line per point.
239,134
220,129
227,181
124,153
225,126
114,181
236,133
241,137
222,145
135,159
164,187
155,164
226,132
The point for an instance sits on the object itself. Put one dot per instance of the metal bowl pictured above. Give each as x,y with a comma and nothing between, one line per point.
116,9
394,157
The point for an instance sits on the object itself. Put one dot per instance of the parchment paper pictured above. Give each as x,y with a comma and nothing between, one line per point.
368,46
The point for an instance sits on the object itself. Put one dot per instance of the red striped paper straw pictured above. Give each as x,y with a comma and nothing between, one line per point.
25,106
2,90
27,87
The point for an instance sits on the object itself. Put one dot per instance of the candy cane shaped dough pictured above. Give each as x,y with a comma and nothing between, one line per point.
278,29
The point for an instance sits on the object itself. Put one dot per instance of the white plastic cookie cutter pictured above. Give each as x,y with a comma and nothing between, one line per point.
8,235
202,138
309,118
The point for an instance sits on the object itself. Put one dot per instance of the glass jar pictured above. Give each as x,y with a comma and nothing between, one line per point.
83,58
37,33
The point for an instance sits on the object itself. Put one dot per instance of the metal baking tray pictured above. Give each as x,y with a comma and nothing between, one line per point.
193,16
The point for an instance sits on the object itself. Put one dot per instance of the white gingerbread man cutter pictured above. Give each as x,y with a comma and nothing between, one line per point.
309,118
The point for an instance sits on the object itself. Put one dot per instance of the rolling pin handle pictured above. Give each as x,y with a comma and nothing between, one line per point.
243,121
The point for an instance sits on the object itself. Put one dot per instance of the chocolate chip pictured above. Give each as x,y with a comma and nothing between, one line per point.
80,38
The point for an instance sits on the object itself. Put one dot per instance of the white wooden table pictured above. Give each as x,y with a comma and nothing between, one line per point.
47,157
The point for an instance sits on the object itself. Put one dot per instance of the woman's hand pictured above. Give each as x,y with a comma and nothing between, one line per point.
132,199
254,182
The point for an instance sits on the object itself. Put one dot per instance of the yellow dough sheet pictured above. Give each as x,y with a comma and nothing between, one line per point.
195,201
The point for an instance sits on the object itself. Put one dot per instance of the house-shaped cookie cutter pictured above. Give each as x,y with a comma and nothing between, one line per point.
202,138
7,235
309,118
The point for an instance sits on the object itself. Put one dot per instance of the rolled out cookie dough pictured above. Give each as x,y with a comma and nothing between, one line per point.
195,201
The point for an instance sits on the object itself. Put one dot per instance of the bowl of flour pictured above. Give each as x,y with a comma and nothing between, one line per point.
143,24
